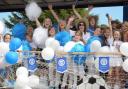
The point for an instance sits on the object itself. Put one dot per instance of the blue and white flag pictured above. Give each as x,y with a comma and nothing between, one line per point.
32,65
104,64
61,65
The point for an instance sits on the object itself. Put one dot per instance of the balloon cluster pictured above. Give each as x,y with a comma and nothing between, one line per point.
24,81
12,56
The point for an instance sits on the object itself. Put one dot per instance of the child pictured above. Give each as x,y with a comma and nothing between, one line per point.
82,27
6,40
78,69
117,39
51,32
51,65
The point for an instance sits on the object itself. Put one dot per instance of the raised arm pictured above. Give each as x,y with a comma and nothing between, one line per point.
90,7
75,12
38,24
110,26
53,13
69,23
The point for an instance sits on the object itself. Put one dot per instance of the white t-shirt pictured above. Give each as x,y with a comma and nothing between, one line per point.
72,33
86,36
117,43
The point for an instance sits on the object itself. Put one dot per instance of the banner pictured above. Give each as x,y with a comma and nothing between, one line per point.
32,66
61,65
104,64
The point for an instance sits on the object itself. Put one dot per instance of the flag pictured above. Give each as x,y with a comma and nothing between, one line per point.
104,64
61,65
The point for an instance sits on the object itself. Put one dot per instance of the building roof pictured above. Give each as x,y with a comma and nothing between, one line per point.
18,5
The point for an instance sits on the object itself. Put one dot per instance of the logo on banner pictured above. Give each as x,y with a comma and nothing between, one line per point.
32,66
104,64
61,65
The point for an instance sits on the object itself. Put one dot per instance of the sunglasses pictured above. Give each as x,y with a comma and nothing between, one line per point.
81,24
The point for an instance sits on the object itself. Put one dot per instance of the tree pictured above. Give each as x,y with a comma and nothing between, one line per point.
62,13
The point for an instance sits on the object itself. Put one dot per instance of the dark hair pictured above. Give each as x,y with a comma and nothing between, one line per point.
84,25
50,29
95,17
6,35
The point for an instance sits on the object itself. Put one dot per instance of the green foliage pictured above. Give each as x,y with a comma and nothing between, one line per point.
62,13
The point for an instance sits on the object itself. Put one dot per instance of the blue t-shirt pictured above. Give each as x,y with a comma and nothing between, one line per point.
91,30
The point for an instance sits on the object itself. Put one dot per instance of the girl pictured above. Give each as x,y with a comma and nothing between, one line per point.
91,19
82,27
117,39
78,69
51,65
6,40
63,36
46,25
51,32
92,24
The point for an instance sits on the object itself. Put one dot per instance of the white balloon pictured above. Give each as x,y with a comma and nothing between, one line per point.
33,81
23,87
21,81
55,45
22,71
2,27
95,46
104,49
26,87
52,43
47,53
33,11
61,48
39,37
125,65
68,46
124,48
49,41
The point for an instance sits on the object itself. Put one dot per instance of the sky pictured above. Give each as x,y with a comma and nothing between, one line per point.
115,12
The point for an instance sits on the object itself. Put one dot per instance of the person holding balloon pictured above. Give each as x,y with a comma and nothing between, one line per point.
63,36
76,62
6,40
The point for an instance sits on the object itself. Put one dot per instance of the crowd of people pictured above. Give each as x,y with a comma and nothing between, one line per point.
81,29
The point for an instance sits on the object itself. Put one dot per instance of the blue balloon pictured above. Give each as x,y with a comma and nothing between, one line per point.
78,48
63,37
11,57
19,31
15,43
87,48
26,45
78,59
93,38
